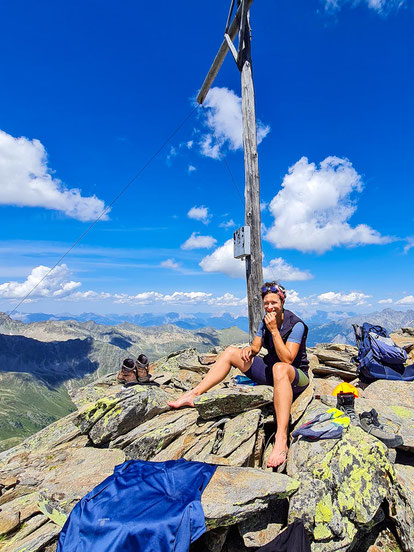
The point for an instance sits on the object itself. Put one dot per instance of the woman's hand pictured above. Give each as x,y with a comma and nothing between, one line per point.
246,353
270,321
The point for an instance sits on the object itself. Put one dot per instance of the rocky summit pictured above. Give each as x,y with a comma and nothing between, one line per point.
353,494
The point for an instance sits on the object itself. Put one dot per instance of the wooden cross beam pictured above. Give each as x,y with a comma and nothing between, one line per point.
254,269
221,54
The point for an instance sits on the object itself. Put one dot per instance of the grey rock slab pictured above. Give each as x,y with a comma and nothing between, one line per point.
244,454
234,494
238,430
203,448
104,387
399,393
142,404
402,500
30,526
232,401
72,476
151,438
261,528
300,404
37,540
159,421
178,448
186,379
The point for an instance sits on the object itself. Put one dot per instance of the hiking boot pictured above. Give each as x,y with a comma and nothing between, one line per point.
346,403
127,373
370,423
142,369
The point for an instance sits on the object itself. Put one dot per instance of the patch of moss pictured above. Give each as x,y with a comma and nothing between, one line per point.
402,411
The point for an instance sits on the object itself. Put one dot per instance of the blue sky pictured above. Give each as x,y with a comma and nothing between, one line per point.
90,91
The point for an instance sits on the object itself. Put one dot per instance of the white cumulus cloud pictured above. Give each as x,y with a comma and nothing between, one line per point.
312,210
196,241
170,263
199,213
27,181
385,301
223,261
352,298
227,224
278,269
407,300
57,284
224,118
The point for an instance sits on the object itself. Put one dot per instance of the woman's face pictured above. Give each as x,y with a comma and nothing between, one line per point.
272,303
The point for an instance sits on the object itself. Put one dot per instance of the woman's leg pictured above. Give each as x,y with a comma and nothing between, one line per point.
283,376
219,370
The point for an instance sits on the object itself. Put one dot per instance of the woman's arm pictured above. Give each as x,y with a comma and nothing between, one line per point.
250,351
285,351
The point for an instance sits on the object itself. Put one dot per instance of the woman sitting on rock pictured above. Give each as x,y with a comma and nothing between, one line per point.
285,366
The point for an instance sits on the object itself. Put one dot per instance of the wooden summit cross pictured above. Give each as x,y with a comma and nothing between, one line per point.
253,256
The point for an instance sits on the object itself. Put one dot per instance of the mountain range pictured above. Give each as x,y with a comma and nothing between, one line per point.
42,362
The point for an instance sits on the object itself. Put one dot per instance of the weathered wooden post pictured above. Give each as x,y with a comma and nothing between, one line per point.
254,269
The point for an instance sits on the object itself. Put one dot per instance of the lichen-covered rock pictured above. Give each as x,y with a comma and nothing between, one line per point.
103,387
234,494
237,431
232,401
343,483
110,418
152,437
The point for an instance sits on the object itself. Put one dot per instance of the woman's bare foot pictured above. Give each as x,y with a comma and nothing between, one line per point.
278,455
185,400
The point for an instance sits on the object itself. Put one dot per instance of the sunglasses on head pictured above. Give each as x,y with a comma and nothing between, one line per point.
275,288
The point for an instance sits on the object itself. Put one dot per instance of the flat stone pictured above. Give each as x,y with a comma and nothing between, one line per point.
202,451
28,527
336,356
103,387
402,498
234,494
244,454
238,430
395,392
300,404
186,441
207,358
232,401
23,507
142,404
8,522
73,476
346,375
37,540
150,438
186,379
